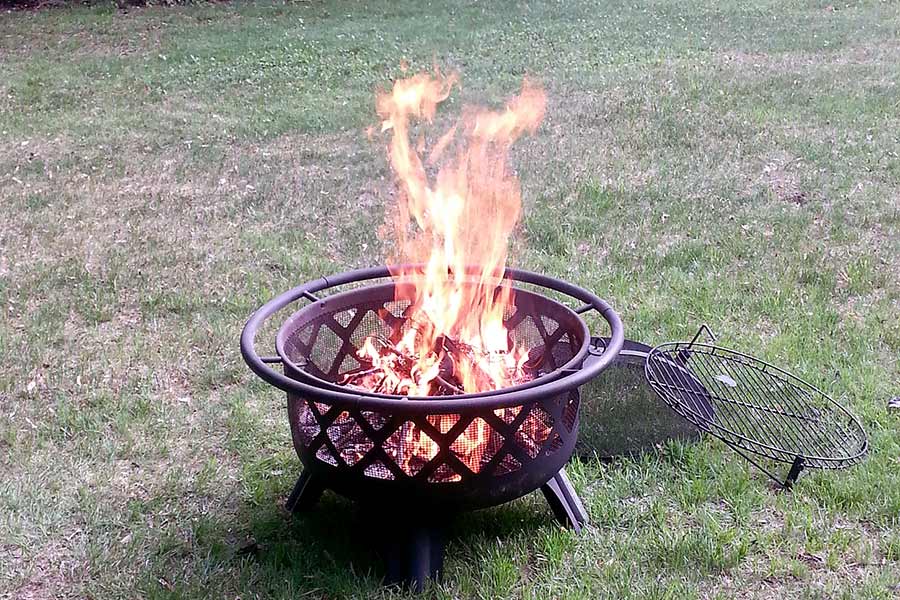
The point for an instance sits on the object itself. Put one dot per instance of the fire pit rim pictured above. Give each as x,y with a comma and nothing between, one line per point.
570,365
490,399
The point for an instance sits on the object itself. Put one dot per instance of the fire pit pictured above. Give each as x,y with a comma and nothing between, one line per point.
451,382
451,386
418,458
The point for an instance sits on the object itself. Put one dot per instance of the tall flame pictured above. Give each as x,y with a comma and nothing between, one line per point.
457,209
463,217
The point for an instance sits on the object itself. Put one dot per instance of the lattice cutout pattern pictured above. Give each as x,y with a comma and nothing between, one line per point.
437,448
412,448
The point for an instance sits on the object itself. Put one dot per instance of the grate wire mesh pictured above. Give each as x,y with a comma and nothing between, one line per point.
754,406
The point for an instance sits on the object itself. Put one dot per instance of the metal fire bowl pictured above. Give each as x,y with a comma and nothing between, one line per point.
318,343
318,406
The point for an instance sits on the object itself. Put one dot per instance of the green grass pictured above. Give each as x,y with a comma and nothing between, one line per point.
166,170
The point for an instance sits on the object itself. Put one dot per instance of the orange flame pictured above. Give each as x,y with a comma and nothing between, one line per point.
456,212
463,220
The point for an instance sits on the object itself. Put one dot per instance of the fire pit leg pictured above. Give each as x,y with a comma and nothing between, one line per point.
414,554
306,493
564,502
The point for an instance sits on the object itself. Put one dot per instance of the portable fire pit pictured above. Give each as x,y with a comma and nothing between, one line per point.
414,460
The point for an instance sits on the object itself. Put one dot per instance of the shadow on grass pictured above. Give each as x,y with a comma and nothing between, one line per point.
328,551
621,415
332,550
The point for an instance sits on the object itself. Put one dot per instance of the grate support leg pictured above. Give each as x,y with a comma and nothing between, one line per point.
306,493
794,473
564,501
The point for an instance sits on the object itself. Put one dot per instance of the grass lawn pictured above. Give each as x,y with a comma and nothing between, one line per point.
166,170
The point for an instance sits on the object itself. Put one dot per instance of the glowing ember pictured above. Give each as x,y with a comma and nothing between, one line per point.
457,224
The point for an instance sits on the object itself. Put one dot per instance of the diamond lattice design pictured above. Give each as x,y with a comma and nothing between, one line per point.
350,363
325,455
397,308
329,339
477,444
443,423
508,464
508,414
534,431
555,444
304,334
306,423
349,438
377,470
345,316
375,419
550,325
369,324
570,415
444,474
410,448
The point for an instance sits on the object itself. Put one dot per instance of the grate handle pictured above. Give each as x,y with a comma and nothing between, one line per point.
685,355
704,328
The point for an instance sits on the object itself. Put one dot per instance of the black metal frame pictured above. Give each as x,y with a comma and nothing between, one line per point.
414,497
666,365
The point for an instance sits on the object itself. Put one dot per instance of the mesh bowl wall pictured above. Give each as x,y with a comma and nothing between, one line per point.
466,457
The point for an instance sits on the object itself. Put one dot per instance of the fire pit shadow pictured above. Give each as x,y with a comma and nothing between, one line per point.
621,415
315,550
260,546
311,553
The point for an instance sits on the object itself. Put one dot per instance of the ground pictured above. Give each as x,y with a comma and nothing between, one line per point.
163,171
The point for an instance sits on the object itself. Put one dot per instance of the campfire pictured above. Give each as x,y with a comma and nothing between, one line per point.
457,224
458,204
450,382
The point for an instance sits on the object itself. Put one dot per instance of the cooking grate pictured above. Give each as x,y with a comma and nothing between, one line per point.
755,407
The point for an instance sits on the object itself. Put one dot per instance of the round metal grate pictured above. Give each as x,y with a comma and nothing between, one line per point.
754,406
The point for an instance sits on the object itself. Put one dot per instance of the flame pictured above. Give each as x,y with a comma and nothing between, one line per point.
458,204
463,221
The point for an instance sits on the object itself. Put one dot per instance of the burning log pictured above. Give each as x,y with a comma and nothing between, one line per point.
446,381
